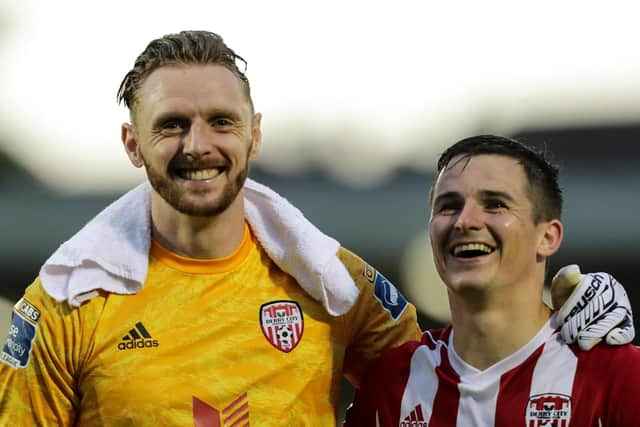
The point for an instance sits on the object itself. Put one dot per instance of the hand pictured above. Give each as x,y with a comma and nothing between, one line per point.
592,306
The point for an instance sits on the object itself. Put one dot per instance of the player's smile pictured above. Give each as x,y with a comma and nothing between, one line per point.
198,171
469,250
195,134
481,224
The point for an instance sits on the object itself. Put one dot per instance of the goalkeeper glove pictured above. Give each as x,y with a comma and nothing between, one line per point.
592,307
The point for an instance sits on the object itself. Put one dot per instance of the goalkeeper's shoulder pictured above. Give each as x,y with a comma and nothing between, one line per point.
355,265
379,301
49,310
373,285
362,273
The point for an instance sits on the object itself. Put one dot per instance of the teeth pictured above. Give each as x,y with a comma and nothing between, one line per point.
481,247
198,174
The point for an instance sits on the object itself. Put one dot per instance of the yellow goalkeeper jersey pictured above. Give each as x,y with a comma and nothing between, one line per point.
225,342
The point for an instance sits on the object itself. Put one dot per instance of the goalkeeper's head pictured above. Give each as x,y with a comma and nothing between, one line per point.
543,188
184,48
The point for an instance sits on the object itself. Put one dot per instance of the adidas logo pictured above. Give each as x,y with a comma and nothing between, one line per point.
415,418
137,337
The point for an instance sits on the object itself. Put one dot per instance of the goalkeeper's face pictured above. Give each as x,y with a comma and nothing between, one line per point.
482,231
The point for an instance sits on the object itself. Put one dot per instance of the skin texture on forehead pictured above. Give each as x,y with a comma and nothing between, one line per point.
515,176
202,84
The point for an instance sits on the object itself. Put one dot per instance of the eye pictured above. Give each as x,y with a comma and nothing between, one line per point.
221,122
173,126
447,208
495,204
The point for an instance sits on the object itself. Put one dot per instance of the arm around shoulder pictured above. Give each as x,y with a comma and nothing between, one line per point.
380,319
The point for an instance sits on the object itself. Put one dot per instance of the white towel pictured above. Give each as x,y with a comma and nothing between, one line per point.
111,252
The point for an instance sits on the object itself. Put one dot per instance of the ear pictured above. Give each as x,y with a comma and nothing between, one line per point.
550,238
131,144
256,137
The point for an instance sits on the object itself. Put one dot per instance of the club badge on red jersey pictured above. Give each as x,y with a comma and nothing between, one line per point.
548,410
282,324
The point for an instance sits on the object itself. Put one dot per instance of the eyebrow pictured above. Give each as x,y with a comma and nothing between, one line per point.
485,194
490,194
447,195
215,112
163,117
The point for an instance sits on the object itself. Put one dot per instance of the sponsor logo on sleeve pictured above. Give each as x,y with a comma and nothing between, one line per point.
369,273
16,350
28,310
387,294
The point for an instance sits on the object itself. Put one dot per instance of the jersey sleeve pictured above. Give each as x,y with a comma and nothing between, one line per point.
38,362
381,318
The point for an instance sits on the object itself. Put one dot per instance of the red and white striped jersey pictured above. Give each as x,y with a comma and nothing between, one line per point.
545,383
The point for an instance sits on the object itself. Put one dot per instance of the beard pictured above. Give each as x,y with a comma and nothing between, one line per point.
176,197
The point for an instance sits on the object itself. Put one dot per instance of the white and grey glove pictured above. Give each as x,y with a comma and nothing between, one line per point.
593,306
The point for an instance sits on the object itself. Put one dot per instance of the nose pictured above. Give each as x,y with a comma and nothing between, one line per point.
469,217
197,141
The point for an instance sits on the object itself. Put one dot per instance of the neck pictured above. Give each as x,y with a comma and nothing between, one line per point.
198,237
489,326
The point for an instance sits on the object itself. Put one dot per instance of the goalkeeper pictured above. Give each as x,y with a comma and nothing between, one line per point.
495,221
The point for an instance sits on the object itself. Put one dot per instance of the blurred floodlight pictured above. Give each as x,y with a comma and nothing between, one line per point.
422,284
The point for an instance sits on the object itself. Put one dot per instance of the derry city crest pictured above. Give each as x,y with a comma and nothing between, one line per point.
282,324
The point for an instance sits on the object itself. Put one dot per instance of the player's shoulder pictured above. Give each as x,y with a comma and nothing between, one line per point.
615,370
621,353
374,286
362,273
432,337
395,356
355,265
621,360
36,299
394,360
36,295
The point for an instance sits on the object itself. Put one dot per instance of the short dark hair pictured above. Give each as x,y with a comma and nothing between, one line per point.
186,47
543,190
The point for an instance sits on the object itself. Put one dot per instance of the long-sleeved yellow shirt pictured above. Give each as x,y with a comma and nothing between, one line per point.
232,341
